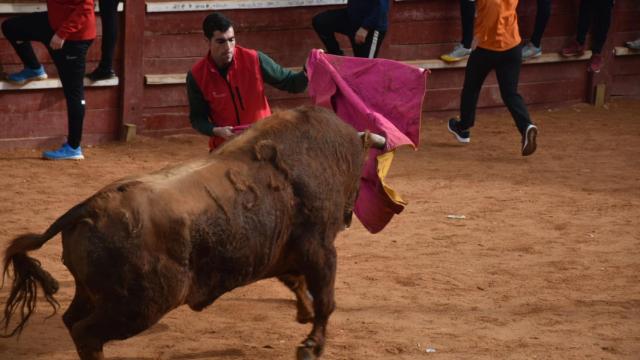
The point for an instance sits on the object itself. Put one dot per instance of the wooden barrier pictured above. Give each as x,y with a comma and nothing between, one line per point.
54,83
159,41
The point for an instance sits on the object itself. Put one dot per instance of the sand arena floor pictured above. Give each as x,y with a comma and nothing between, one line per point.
546,263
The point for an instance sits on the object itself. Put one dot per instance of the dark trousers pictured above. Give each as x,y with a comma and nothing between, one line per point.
507,66
327,23
600,12
542,18
70,62
109,18
468,14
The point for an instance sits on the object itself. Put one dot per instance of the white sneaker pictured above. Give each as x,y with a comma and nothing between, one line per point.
530,51
634,45
529,140
459,53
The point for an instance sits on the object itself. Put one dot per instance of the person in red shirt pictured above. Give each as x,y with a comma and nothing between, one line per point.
67,29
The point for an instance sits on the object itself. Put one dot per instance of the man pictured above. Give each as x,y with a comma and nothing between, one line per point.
363,21
598,11
496,29
226,87
67,29
533,48
462,50
109,17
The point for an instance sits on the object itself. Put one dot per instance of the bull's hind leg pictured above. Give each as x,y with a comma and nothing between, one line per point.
113,321
304,303
320,273
80,308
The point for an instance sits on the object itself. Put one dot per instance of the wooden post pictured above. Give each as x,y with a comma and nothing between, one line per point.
600,95
133,78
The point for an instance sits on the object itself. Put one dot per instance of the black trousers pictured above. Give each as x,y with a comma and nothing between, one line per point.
109,18
507,66
468,14
542,18
70,62
600,12
327,23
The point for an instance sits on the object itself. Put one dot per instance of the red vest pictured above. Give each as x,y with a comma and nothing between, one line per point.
237,99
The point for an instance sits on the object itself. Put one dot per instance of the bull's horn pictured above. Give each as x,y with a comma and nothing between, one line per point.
377,141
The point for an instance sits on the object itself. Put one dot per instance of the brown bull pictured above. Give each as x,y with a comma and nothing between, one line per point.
267,204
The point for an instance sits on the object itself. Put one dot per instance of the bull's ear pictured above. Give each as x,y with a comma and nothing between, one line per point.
373,140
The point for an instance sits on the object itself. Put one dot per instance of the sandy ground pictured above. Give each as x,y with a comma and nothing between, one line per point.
546,263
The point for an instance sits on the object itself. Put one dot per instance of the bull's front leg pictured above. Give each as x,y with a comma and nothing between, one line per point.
304,303
320,273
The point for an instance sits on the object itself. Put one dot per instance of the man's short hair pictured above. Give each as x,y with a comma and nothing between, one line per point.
215,22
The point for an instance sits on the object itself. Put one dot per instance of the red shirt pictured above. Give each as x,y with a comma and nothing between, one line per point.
239,98
73,19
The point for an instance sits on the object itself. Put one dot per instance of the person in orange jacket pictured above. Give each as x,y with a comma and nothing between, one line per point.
499,49
67,29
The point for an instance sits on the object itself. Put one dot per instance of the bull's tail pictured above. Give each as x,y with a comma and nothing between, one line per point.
28,273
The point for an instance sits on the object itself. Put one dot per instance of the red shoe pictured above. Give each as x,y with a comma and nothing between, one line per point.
575,49
596,63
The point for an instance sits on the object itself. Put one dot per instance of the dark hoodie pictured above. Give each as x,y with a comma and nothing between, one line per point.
369,14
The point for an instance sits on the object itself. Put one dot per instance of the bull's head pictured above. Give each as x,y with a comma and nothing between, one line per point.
369,140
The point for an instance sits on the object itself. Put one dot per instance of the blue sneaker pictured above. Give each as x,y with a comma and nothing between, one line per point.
463,136
66,152
27,74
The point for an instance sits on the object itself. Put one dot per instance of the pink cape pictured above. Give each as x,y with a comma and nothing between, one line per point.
379,95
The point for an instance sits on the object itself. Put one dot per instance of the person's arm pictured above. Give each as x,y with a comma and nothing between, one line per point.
281,78
198,108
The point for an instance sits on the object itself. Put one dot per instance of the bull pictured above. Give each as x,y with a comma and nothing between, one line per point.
269,203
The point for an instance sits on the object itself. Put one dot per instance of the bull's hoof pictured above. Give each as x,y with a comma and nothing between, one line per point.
307,350
305,353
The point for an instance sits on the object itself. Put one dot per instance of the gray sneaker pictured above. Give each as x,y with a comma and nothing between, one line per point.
459,53
634,45
530,51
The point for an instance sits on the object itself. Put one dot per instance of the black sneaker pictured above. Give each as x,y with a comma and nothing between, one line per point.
101,74
529,140
463,136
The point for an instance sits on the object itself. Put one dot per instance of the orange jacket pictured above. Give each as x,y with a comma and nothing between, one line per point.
496,26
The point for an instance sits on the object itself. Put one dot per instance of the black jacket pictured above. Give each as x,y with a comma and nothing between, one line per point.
369,14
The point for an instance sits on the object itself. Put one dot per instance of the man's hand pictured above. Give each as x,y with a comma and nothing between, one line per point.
225,132
56,42
361,35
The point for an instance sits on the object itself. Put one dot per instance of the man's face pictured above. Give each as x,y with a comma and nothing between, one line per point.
222,46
